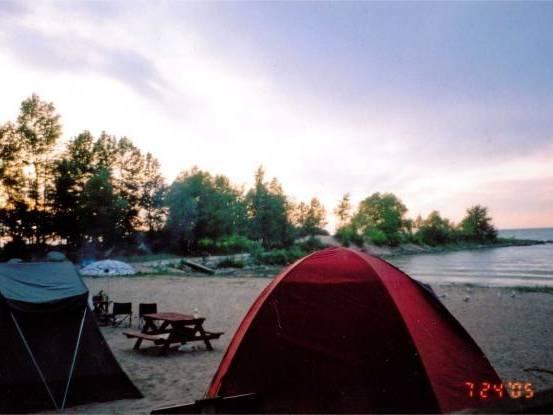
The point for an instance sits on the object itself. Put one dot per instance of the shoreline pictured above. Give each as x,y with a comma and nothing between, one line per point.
414,249
267,273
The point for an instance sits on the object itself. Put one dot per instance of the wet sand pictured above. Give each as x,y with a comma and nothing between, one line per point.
514,331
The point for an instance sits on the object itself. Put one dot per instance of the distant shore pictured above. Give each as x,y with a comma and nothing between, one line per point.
416,249
413,249
171,264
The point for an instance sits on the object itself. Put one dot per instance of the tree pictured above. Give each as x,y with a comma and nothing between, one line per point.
27,149
346,230
103,210
477,226
343,210
12,177
299,213
14,207
203,207
269,212
153,193
105,151
434,230
182,202
127,178
311,218
39,128
380,218
71,174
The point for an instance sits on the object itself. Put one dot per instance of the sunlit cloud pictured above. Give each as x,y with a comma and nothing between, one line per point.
163,75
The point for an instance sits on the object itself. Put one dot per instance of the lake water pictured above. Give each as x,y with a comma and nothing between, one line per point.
511,266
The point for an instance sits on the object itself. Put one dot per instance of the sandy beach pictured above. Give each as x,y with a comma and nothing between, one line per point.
512,327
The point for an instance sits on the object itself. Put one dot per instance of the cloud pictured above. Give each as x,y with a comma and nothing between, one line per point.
56,51
194,89
12,9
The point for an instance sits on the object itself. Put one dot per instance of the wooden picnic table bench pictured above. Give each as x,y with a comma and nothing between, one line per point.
174,328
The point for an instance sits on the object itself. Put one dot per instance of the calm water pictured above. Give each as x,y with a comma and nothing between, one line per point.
526,265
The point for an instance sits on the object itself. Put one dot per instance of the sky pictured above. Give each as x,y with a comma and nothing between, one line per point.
445,104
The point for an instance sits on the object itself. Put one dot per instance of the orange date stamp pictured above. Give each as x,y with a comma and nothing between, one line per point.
512,389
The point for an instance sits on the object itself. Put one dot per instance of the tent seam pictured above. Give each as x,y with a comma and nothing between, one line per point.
74,359
37,367
419,357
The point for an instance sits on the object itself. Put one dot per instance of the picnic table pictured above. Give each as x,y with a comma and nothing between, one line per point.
165,329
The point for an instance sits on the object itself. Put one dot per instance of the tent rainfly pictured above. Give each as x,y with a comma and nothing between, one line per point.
343,332
53,354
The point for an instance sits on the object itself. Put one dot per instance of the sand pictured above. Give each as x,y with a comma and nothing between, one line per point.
515,332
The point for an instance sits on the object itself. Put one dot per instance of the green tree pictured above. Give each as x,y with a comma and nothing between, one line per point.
14,208
105,151
299,214
127,178
311,218
38,128
104,211
477,225
153,194
343,211
346,230
71,173
380,218
269,213
434,230
11,166
27,149
203,207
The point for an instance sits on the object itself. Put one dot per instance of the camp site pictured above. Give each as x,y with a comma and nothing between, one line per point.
276,207
338,331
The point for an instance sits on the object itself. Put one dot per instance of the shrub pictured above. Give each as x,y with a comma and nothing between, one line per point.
231,244
234,244
280,256
206,244
310,245
348,235
231,263
378,237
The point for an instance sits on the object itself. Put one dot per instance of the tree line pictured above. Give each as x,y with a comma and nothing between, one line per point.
103,194
380,219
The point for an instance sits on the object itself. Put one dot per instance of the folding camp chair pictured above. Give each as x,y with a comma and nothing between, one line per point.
100,305
145,308
121,309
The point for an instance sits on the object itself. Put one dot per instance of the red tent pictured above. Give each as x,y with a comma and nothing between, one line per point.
340,331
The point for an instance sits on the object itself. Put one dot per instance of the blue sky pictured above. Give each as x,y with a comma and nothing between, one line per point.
446,104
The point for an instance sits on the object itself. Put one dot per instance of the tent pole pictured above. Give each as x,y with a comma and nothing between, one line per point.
74,359
34,361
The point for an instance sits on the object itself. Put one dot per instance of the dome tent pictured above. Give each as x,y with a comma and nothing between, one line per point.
343,332
107,268
55,256
53,354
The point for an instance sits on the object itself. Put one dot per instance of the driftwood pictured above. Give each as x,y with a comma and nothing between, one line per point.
198,267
